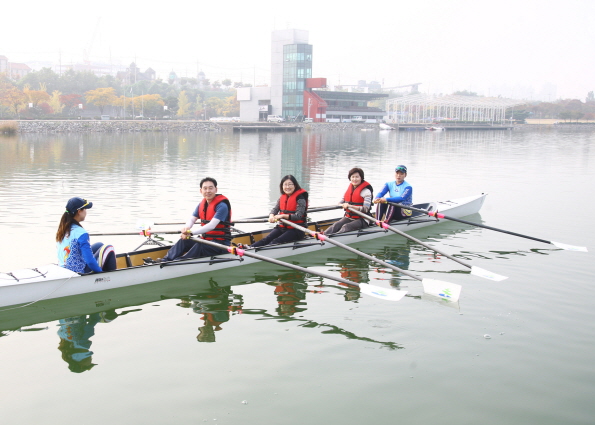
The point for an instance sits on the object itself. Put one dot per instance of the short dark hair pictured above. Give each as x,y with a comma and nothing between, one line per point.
208,179
293,180
356,170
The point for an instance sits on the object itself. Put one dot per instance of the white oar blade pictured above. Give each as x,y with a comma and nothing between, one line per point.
486,274
570,247
378,292
445,290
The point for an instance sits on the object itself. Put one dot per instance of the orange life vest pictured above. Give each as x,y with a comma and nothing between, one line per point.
353,197
206,212
288,205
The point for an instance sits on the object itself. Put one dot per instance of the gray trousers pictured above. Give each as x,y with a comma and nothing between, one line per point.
346,224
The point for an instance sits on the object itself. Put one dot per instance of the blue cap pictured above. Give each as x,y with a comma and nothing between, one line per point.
75,204
401,168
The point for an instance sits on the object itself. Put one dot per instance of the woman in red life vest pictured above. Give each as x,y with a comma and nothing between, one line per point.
357,196
292,206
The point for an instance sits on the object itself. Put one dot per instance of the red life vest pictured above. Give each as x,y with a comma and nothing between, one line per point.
288,205
353,197
206,212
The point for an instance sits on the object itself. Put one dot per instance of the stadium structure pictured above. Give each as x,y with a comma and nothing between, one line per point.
425,108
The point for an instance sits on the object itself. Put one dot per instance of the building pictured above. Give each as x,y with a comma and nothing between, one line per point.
134,74
3,64
291,93
16,71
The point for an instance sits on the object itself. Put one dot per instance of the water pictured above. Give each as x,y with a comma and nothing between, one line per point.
266,345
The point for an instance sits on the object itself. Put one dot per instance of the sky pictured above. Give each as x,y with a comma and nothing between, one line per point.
531,49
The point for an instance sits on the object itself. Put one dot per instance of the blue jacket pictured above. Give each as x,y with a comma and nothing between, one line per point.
402,193
74,252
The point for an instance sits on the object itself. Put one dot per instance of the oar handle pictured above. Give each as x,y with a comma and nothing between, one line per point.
322,237
439,215
240,252
405,235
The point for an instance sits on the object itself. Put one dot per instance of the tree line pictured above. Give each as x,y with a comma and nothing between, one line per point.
45,94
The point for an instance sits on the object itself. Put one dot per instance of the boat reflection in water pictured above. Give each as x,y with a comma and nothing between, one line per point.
214,296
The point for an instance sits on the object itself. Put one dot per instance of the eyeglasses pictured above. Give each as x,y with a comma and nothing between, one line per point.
83,206
288,184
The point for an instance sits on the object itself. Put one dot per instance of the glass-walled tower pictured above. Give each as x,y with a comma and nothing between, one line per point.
297,66
291,64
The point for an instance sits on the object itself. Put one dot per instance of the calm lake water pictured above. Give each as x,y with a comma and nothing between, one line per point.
267,345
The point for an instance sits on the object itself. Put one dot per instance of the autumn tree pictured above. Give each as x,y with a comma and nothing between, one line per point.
183,105
101,97
147,105
36,96
71,101
10,96
55,103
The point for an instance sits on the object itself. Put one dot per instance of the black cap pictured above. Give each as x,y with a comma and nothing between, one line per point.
75,204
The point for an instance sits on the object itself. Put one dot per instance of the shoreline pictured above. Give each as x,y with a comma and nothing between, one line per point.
132,126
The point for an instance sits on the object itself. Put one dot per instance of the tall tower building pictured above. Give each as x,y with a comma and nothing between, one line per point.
291,64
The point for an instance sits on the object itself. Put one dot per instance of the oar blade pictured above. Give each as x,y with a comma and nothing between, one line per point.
445,290
570,247
379,292
486,274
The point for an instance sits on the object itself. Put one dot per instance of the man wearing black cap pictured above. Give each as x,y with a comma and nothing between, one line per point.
400,192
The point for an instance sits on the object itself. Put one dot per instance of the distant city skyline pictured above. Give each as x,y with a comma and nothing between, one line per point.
531,49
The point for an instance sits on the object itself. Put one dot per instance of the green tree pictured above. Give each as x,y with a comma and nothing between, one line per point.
226,83
45,76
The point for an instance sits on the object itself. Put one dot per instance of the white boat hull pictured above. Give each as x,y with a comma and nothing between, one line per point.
52,281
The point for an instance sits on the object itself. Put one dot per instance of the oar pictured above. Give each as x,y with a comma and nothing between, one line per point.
375,291
446,290
142,233
260,218
246,220
474,270
439,215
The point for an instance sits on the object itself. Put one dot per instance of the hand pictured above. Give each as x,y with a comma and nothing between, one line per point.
380,201
186,233
272,218
347,205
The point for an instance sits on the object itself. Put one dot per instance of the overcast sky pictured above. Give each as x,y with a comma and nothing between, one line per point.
514,48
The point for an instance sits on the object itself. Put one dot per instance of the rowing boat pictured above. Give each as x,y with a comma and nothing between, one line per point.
52,281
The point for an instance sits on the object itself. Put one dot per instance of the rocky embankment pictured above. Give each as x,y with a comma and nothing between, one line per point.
114,126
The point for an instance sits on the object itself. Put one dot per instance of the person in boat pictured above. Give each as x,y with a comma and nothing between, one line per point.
291,206
72,242
357,196
399,191
214,213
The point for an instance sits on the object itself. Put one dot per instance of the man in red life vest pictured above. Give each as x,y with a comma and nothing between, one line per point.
214,213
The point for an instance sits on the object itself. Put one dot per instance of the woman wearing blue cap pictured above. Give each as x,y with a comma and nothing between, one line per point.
72,241
400,191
